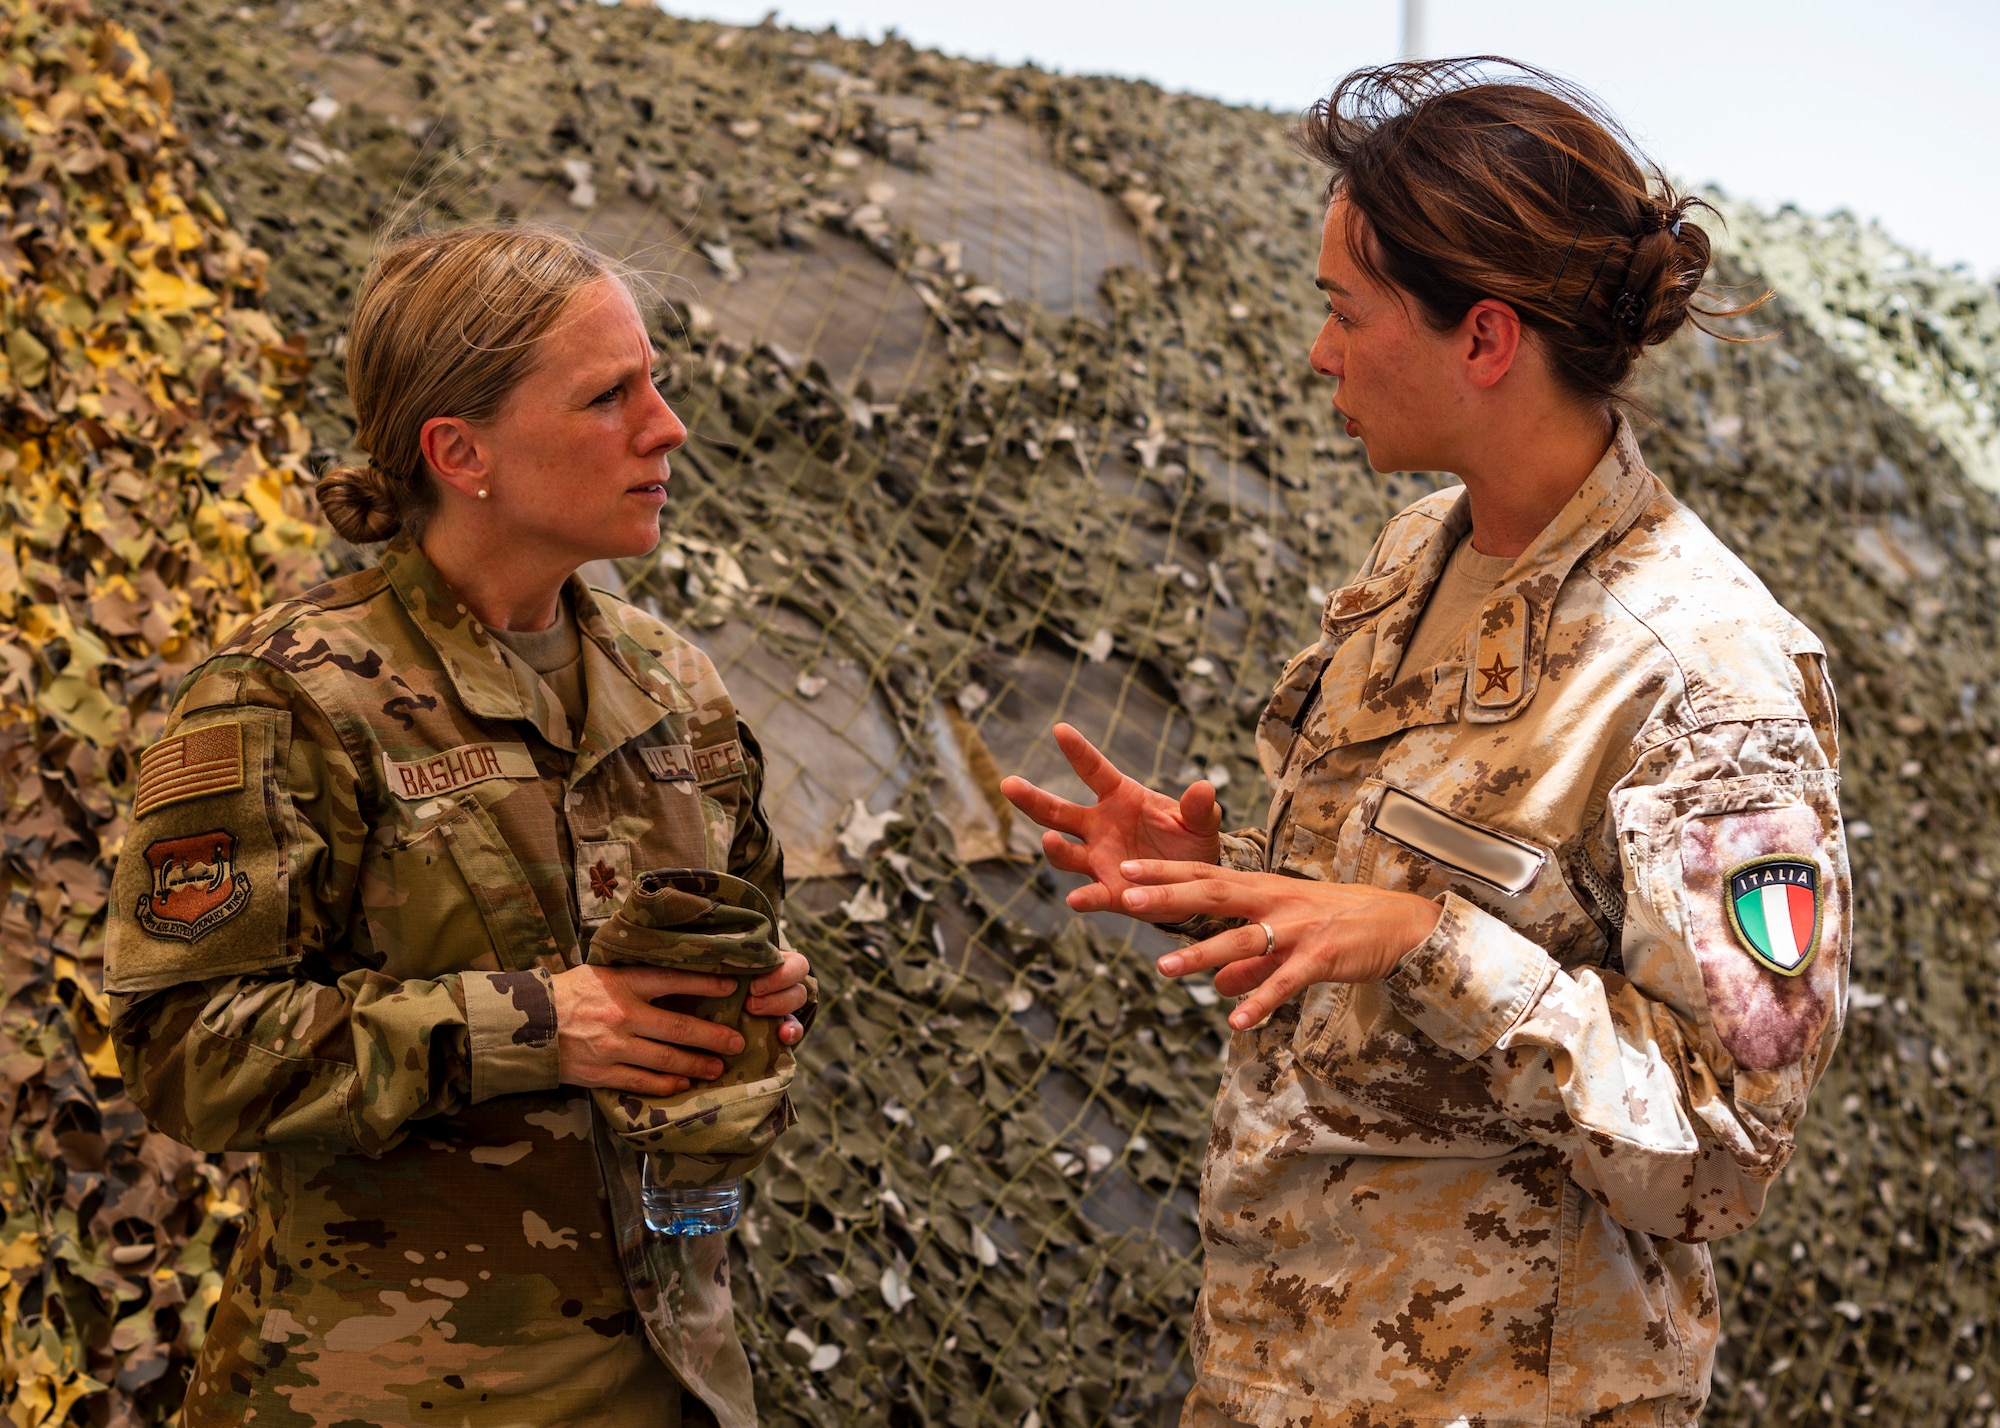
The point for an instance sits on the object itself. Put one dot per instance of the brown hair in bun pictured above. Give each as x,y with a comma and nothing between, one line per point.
445,325
361,503
1521,188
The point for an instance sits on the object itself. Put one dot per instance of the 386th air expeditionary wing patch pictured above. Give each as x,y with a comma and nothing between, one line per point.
1774,909
196,886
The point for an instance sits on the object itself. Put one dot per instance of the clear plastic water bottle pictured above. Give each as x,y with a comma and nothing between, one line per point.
680,1210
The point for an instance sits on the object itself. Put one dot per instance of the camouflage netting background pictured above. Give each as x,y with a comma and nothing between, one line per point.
1000,415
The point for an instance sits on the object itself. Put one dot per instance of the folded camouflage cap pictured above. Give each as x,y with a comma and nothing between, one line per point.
699,920
691,920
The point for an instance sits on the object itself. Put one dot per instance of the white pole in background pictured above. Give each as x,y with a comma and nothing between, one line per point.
1413,29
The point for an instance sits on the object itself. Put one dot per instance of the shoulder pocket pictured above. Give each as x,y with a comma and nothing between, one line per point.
1750,875
202,888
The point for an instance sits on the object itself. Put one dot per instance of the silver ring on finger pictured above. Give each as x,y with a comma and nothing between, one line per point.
1270,939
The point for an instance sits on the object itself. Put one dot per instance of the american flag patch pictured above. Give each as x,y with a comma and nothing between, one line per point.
193,765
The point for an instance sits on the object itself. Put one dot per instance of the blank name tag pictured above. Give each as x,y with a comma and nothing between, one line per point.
1505,863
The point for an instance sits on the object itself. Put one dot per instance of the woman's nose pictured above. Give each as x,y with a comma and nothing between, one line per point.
1325,357
663,429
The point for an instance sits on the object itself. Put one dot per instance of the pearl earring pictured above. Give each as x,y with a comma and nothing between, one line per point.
482,493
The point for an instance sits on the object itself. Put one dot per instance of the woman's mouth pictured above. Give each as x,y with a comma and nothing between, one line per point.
652,491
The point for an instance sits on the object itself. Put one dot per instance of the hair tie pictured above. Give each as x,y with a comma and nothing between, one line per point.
1629,313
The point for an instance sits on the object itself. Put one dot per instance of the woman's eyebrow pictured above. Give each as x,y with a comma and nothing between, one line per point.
605,376
1328,285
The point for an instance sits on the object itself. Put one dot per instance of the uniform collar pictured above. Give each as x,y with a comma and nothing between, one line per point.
626,686
1513,623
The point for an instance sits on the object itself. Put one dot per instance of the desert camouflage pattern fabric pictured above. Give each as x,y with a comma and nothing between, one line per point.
700,920
442,1231
1481,1190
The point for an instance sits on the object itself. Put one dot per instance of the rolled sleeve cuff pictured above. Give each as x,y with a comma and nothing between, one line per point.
1470,980
511,1021
1243,852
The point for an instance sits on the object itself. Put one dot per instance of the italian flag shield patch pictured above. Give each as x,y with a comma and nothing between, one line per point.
1774,909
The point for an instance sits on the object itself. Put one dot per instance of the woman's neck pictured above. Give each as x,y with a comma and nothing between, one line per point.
504,590
1519,479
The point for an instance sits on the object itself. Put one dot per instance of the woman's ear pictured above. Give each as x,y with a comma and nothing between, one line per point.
457,455
1492,340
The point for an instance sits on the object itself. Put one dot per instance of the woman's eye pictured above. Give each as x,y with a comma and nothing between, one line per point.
609,394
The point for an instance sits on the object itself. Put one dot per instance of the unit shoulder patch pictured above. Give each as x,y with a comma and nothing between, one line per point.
191,765
196,886
1775,909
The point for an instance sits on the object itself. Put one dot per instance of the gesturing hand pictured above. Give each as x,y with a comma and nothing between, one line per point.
1128,821
1319,932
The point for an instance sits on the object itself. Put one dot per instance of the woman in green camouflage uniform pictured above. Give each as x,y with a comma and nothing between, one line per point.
367,861
1545,939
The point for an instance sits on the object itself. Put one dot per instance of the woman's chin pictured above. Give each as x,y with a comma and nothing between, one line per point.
623,539
643,539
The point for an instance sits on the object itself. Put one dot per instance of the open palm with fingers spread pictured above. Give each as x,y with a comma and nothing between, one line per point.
1155,858
1128,821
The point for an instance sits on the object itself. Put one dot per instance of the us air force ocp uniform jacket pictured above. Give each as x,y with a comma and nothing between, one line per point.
1480,1191
367,841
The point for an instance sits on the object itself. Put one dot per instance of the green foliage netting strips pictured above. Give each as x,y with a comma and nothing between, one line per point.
963,537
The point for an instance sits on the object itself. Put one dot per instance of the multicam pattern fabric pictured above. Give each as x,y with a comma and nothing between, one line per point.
1481,1191
443,1232
699,920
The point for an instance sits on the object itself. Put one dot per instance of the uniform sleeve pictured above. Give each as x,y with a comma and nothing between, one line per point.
1673,1086
246,1014
756,857
1244,849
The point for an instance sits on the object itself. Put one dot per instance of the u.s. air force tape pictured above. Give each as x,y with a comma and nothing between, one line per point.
679,763
456,768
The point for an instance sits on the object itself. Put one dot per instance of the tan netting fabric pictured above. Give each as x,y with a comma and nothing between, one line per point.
1001,416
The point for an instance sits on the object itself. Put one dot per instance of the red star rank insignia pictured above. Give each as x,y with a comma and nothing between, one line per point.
1498,675
1501,652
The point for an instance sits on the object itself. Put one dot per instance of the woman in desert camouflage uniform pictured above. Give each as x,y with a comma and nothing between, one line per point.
387,824
1545,939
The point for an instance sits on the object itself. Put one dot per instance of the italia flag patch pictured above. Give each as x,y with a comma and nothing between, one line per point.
1774,909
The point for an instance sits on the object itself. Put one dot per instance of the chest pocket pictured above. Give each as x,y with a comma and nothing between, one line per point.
447,894
1410,844
657,804
1351,1037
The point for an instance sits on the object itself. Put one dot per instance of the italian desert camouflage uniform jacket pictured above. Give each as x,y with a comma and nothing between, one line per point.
1480,1191
366,843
